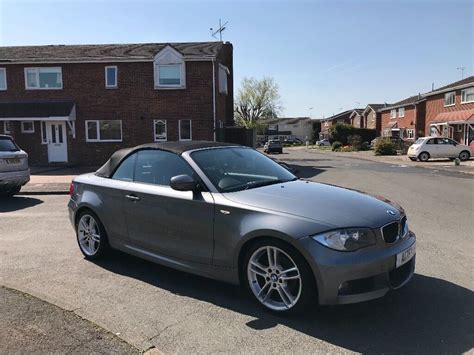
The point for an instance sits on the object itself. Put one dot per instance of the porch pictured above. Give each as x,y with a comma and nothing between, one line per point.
457,125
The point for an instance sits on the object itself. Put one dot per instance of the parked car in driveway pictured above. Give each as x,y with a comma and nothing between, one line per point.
230,213
273,147
292,141
323,143
426,148
14,170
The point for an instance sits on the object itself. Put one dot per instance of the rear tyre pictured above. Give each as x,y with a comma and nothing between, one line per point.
278,278
424,156
464,155
10,192
91,236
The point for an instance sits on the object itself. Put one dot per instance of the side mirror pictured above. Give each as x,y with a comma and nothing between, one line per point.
183,183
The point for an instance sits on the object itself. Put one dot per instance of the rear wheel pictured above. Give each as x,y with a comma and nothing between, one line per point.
91,236
278,277
424,156
464,155
10,192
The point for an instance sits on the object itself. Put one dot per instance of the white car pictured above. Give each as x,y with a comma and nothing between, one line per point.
14,170
323,142
438,147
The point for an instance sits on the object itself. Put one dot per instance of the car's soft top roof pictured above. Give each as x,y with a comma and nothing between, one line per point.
179,148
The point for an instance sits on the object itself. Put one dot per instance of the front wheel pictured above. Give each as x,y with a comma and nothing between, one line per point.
278,278
464,155
424,156
91,236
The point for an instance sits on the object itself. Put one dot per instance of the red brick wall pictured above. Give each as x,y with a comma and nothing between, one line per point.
135,102
435,105
403,122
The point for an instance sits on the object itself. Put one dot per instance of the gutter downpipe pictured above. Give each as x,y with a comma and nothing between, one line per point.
214,94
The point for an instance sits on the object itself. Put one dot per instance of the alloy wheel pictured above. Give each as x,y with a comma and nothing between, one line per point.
274,278
88,233
464,156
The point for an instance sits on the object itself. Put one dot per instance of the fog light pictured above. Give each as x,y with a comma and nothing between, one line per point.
343,288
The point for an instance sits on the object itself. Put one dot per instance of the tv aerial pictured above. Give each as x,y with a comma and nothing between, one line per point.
219,30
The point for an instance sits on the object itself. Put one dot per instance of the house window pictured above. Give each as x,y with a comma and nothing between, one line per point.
185,133
449,98
393,113
223,72
160,130
467,95
7,127
3,79
401,112
111,77
460,127
27,127
169,75
43,78
44,134
104,131
410,133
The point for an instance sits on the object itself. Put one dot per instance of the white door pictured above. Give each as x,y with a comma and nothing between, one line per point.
57,142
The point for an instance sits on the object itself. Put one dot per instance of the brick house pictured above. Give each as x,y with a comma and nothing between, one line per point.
372,118
282,128
404,119
357,118
450,111
327,123
77,104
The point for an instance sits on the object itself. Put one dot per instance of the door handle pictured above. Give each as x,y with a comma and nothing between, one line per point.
133,197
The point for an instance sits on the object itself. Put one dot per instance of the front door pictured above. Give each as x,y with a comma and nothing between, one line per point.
57,142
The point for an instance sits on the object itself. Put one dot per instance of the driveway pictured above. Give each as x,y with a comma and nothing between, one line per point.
150,305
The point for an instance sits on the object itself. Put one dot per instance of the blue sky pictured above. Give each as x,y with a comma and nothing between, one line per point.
329,55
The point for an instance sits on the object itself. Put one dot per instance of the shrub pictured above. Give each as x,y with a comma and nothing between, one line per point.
346,148
364,146
339,132
336,146
355,141
385,147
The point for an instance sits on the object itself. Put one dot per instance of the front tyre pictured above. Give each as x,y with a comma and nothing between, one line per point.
464,155
91,236
424,156
278,277
10,192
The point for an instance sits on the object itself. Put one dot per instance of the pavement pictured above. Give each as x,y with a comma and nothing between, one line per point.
151,306
29,325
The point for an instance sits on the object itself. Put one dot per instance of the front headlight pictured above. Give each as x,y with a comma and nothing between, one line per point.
346,239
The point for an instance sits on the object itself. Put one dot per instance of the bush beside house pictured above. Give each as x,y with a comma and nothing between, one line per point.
385,147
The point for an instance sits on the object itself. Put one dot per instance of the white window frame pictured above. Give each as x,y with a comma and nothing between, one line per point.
23,130
393,113
223,79
37,71
4,70
454,96
190,130
168,86
410,133
400,110
462,95
98,139
5,124
155,137
166,57
44,132
107,85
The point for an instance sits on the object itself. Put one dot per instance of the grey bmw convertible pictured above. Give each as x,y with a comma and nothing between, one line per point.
230,213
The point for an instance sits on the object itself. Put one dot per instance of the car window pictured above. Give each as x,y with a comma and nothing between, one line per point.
126,169
234,169
419,141
432,141
158,167
7,145
444,141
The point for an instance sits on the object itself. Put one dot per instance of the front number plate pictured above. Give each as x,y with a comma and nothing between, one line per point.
13,160
406,255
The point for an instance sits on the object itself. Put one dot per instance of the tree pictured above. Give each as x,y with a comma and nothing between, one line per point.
256,99
315,131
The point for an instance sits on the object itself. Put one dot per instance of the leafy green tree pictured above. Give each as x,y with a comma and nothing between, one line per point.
256,99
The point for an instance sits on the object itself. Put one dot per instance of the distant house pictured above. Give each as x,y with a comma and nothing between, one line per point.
327,123
372,118
357,118
450,111
404,119
77,104
283,128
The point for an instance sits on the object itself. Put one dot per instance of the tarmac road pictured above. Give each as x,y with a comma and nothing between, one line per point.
150,305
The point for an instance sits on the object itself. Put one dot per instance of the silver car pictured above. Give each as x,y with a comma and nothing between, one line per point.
230,213
14,170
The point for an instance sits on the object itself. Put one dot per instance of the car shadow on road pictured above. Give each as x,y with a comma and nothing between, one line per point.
428,315
16,203
306,171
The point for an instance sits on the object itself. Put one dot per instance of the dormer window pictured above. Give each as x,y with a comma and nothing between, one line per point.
169,69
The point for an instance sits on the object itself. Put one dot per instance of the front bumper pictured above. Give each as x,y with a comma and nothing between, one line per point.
351,277
14,178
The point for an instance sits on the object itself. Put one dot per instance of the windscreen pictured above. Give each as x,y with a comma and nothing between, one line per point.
7,145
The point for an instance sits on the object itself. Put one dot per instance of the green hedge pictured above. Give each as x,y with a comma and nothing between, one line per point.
341,133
